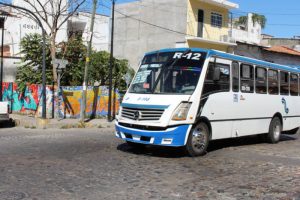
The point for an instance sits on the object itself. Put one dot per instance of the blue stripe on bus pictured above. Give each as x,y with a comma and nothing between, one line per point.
232,57
160,107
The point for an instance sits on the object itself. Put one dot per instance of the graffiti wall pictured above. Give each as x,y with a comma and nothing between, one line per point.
65,105
96,105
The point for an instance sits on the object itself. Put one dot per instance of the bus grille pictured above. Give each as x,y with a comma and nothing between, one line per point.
141,114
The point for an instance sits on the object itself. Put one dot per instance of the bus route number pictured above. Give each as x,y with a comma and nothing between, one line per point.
188,56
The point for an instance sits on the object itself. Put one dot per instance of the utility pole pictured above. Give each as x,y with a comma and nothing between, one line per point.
87,62
109,117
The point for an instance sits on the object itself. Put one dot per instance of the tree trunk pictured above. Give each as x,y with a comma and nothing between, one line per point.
53,56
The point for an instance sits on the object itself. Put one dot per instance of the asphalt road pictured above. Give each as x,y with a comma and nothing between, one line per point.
93,164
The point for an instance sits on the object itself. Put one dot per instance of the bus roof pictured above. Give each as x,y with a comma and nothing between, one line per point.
244,59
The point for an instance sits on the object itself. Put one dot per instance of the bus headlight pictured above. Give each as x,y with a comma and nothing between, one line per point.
181,112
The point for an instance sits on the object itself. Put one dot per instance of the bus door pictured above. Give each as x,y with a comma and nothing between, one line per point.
216,103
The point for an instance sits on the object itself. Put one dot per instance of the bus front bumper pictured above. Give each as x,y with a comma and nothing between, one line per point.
174,136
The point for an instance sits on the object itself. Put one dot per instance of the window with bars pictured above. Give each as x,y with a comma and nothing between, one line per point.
216,20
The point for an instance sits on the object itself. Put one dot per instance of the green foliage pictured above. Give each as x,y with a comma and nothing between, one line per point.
260,19
74,51
242,20
99,70
30,71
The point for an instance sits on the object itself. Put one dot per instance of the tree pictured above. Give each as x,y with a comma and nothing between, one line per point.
75,52
256,18
99,70
260,19
54,14
30,70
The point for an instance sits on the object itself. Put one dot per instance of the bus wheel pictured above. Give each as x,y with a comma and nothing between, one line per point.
198,140
274,131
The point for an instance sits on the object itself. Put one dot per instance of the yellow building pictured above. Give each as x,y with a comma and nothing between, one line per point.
208,24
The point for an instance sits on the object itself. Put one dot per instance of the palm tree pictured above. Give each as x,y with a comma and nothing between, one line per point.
260,19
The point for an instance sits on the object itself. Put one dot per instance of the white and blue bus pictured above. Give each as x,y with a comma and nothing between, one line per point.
188,97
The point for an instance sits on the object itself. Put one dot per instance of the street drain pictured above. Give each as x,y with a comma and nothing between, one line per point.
10,195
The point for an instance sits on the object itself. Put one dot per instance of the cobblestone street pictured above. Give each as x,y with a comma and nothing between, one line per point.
93,164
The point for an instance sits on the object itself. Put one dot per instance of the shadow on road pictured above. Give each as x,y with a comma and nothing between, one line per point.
8,124
178,152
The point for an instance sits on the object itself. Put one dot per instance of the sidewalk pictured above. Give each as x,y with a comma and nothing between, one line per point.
33,122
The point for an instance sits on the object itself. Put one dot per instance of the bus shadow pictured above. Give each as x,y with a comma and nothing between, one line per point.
178,152
153,151
244,141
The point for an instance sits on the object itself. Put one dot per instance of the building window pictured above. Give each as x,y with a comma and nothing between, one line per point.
216,20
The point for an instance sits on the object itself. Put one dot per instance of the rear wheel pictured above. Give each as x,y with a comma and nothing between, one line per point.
275,130
198,140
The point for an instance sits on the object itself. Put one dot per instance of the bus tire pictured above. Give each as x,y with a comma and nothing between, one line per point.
275,130
198,140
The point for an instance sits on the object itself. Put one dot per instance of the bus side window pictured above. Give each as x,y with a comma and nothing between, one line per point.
273,81
294,84
261,80
235,77
214,86
284,83
247,78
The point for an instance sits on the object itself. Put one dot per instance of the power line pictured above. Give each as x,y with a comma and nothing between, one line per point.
285,14
148,23
157,26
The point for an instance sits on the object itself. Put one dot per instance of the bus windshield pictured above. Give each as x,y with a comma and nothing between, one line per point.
168,73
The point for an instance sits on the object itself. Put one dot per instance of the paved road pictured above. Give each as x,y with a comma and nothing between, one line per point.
92,164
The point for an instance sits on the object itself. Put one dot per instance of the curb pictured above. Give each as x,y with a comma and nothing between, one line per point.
37,123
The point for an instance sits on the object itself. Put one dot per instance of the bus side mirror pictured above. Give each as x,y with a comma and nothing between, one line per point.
217,73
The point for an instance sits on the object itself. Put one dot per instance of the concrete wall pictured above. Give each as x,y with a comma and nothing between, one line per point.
251,34
248,50
280,58
133,38
81,23
10,68
258,52
288,42
29,101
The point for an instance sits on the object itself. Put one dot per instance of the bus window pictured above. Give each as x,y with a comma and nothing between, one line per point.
261,80
247,78
284,83
235,76
220,85
273,81
294,84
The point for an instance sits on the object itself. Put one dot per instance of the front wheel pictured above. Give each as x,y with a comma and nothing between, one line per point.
198,140
275,130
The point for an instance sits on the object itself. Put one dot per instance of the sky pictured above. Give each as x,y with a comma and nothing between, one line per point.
283,17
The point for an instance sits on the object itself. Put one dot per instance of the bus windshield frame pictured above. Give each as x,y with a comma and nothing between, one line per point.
175,73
